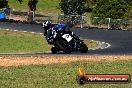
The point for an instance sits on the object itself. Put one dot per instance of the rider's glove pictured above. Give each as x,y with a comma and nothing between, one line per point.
50,41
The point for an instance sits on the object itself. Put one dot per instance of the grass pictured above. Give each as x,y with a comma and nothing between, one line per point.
12,42
90,43
61,75
45,6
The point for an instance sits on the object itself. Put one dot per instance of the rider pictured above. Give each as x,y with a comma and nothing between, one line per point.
49,28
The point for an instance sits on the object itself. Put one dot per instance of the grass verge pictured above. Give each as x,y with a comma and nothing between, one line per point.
61,75
45,6
12,42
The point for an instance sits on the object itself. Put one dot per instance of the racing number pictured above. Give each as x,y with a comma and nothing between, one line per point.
67,37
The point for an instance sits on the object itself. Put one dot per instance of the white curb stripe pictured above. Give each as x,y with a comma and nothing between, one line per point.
41,33
24,31
33,32
7,29
15,30
102,45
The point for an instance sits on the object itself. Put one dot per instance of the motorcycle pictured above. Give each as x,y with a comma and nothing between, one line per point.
67,42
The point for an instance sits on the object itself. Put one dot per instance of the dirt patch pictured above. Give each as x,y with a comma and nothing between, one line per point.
20,18
46,59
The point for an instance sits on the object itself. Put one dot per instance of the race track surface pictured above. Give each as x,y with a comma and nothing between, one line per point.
121,41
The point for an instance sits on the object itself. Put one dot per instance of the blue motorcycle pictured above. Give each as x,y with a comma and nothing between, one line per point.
65,41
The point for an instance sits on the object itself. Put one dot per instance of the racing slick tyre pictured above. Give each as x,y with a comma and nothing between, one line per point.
67,51
83,48
54,50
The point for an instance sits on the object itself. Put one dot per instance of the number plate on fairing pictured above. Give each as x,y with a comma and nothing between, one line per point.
67,37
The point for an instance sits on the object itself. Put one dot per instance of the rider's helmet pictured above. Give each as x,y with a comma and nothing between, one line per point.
47,25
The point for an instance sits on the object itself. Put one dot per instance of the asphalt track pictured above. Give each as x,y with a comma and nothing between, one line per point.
121,41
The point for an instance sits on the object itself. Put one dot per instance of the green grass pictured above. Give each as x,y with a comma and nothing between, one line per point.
61,75
12,42
45,6
90,43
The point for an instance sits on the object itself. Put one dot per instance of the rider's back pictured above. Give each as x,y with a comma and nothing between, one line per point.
59,26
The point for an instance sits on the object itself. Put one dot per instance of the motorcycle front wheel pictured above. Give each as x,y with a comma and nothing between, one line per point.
67,51
54,50
83,48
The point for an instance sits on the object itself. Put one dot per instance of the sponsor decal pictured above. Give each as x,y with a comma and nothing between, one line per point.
83,78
